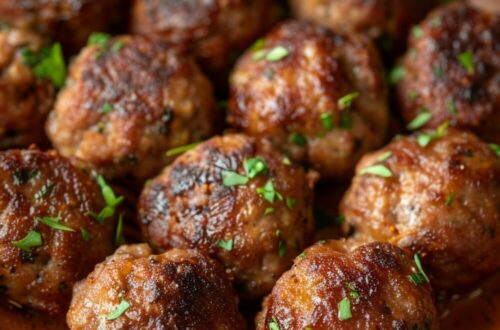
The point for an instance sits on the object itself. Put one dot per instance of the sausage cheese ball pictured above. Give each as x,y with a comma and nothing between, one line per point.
317,95
67,21
452,71
134,289
126,102
48,238
25,98
388,20
436,194
239,201
215,30
336,285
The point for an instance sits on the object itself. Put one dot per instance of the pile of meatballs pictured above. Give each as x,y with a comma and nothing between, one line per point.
247,164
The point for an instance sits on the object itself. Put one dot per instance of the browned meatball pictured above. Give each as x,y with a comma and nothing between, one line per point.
126,102
134,289
317,95
386,20
25,99
337,285
67,21
441,201
214,30
452,71
48,239
237,200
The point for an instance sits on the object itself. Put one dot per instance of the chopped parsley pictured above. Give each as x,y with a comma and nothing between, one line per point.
32,239
344,307
452,108
396,74
254,166
274,324
112,201
290,202
53,222
230,179
117,46
346,100
420,120
182,149
259,55
98,38
327,120
226,244
345,120
276,54
352,290
268,211
269,193
495,148
419,277
450,198
282,249
298,139
85,234
417,31
119,240
48,64
106,108
379,170
258,44
119,310
467,61
287,161
386,155
423,139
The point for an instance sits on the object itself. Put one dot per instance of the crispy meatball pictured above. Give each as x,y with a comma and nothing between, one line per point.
441,201
317,95
68,21
237,200
452,71
337,285
214,30
128,101
385,20
48,239
25,100
179,289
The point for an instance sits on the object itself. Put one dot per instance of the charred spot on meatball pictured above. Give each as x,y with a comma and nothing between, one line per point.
318,96
126,102
340,285
452,71
49,238
236,199
134,289
437,194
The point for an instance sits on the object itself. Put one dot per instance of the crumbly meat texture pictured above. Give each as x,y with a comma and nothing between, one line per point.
126,103
189,206
442,201
38,184
372,277
293,101
180,289
452,70
25,100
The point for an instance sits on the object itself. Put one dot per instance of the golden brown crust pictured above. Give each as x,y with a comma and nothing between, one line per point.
189,206
67,21
180,289
39,184
156,99
435,80
373,277
24,99
275,99
442,201
215,30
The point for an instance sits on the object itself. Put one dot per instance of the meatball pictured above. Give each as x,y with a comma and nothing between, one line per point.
317,95
67,21
339,285
387,21
126,102
48,238
134,289
215,30
236,199
440,200
25,99
452,71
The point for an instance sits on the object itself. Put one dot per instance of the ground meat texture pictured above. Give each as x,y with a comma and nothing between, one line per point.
297,100
373,278
180,289
441,201
35,185
67,21
25,100
452,71
127,102
215,30
255,236
387,21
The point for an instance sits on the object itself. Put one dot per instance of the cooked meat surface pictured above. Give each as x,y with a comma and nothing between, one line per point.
338,285
452,71
48,239
318,96
236,199
214,30
126,102
25,99
440,200
134,289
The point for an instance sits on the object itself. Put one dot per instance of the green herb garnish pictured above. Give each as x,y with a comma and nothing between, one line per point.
352,290
119,310
119,240
254,166
182,149
450,198
85,234
277,54
106,108
282,249
327,120
346,100
53,222
226,244
419,277
49,64
386,155
274,324
423,139
379,170
269,193
495,148
467,61
32,239
420,120
230,178
344,307
290,202
396,74
298,139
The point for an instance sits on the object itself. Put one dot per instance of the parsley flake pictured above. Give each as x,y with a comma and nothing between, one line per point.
386,155
450,198
352,290
396,74
290,202
254,166
85,234
182,149
298,139
119,310
226,244
344,307
419,277
277,54
230,179
327,120
53,222
420,120
379,170
346,100
32,239
106,108
269,193
274,324
119,240
467,61
495,148
50,65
